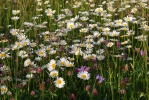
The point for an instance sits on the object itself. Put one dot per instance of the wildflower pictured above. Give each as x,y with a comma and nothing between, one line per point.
134,10
51,66
59,82
54,73
100,79
29,76
3,55
15,18
88,87
38,70
4,68
114,33
128,46
110,44
70,25
130,32
27,62
72,97
14,31
81,69
129,19
100,57
32,93
84,18
3,89
84,30
83,75
9,93
62,62
99,10
122,91
15,12
41,53
69,64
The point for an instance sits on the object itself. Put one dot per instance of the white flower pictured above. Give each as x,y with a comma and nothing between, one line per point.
15,12
99,10
14,31
69,64
51,66
41,53
62,62
29,76
4,89
70,25
4,68
15,18
84,75
27,62
54,73
110,44
59,82
127,19
100,57
84,30
114,33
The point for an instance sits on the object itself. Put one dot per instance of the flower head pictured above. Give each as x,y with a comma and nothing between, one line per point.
3,89
101,79
59,82
84,75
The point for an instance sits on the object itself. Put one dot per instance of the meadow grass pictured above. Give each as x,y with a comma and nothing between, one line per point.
74,50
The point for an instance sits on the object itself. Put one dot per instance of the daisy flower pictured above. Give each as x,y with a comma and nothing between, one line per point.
51,66
84,30
15,12
62,62
27,62
59,82
70,25
29,76
4,68
41,53
110,44
99,10
14,31
54,73
84,75
3,89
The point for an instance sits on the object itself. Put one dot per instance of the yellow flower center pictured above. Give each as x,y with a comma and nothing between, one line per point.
70,65
40,53
63,63
71,25
53,65
54,74
2,55
59,81
27,63
2,89
83,76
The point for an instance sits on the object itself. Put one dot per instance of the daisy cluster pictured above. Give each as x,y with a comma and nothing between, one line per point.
87,43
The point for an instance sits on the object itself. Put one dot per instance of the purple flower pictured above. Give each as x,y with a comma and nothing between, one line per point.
101,79
141,52
81,69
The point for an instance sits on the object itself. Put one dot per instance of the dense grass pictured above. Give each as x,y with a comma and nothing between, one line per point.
99,49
